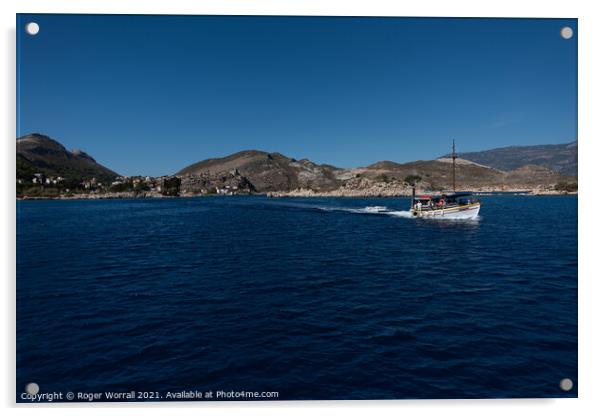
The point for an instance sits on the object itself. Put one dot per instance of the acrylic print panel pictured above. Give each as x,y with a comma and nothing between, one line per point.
295,208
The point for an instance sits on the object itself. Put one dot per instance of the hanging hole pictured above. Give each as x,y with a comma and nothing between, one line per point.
32,28
566,384
32,388
566,32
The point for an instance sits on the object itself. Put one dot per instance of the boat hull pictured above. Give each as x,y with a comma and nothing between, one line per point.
464,212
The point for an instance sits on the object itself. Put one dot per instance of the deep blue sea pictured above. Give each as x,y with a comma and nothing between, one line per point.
311,298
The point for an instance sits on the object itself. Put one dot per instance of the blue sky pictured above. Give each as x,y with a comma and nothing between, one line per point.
152,94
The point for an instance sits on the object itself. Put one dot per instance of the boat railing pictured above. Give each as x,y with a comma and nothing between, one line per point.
438,206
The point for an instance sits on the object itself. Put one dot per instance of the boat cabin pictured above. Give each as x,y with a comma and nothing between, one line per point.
426,202
461,198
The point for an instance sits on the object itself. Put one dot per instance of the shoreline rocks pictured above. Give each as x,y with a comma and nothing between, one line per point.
352,189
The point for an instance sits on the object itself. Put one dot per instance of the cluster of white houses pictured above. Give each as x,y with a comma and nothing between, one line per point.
149,182
41,179
93,183
201,184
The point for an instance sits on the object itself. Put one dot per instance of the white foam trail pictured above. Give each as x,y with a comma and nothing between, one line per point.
378,210
366,210
373,209
370,209
400,214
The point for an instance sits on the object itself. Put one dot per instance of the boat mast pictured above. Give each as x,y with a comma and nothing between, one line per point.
454,156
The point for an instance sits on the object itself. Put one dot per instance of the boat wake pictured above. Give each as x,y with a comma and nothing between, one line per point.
382,210
372,209
367,210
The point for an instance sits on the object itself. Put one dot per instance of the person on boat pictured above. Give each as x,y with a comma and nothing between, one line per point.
441,203
418,206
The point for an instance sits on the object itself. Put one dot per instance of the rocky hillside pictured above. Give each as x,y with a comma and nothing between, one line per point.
37,153
254,171
436,174
278,174
559,157
268,171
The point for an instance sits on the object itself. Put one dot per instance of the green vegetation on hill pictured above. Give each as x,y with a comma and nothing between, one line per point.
171,186
25,169
566,186
37,153
412,179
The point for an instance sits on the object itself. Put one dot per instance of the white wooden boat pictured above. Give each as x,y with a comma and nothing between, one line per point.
457,205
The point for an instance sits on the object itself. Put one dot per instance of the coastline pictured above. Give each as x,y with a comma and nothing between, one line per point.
300,193
386,190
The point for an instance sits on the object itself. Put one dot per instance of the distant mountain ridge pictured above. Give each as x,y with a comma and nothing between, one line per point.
255,171
39,153
274,172
558,157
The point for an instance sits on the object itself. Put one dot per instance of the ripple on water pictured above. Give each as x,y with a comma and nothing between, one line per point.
315,298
